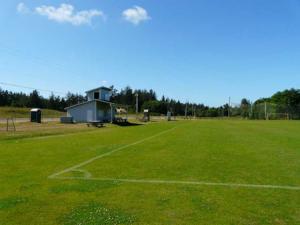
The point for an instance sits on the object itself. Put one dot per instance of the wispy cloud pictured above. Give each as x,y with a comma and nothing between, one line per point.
22,8
65,13
135,15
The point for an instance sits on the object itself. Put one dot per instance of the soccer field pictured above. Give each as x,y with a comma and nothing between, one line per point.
182,172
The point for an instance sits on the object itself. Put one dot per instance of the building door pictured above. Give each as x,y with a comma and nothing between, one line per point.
100,115
90,115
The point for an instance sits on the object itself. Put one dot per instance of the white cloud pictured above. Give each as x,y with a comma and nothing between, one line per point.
66,13
22,8
135,15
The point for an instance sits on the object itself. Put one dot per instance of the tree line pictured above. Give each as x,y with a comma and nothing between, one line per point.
287,101
35,100
282,102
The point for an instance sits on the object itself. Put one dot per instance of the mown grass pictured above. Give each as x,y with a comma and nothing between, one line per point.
82,186
258,152
17,112
45,129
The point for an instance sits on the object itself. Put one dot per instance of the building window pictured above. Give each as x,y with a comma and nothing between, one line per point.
96,95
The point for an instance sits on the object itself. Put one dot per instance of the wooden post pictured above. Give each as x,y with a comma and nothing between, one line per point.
13,122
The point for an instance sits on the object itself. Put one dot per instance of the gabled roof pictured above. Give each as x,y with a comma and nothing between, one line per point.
102,87
94,100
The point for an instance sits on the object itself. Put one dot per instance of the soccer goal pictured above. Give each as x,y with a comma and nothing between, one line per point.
278,116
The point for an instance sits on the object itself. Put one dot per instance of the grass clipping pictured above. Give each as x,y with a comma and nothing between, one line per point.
95,214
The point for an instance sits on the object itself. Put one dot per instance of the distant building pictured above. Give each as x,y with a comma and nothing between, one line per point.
97,108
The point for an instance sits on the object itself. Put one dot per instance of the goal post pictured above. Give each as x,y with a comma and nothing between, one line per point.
278,116
272,111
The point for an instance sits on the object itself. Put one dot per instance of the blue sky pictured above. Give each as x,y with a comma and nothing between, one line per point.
196,50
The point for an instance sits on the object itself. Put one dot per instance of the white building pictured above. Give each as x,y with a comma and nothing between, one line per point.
97,108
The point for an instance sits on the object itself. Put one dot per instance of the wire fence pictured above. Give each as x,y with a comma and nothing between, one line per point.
266,111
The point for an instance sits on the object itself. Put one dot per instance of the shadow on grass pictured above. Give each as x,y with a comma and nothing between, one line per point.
10,202
127,124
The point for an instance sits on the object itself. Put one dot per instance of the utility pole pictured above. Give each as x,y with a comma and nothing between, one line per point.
136,104
229,107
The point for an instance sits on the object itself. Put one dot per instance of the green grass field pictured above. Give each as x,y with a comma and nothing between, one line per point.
183,172
17,112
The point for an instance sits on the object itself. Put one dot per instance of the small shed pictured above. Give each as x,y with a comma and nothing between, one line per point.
96,108
36,115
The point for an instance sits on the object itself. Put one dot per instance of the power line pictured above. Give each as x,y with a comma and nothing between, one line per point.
37,60
34,60
31,88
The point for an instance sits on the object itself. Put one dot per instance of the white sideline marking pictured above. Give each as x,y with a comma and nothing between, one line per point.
258,186
107,154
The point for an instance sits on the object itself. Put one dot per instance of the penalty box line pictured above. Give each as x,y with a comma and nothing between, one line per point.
108,153
199,183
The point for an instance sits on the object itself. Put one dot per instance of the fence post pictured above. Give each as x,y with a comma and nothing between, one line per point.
266,117
13,122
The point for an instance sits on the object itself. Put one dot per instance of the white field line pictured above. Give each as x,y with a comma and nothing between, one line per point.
107,154
86,173
143,181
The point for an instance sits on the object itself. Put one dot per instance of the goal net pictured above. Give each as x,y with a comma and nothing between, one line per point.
272,111
265,111
278,116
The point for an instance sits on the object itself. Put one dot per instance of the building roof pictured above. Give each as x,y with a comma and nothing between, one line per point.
35,110
83,103
102,87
